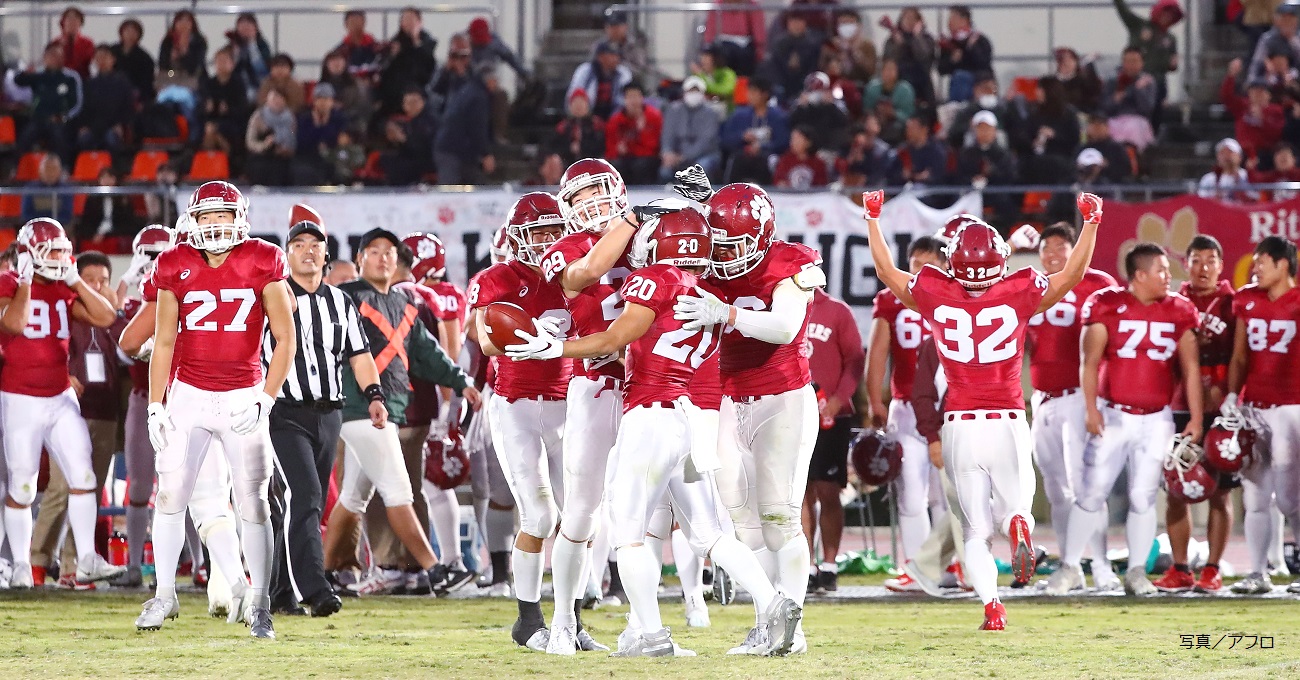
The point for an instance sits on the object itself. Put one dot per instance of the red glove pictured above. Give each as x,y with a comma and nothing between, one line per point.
871,203
1090,207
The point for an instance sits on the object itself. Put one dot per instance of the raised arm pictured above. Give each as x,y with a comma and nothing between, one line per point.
1076,266
588,269
889,274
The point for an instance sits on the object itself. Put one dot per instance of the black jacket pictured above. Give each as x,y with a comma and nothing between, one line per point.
412,66
139,68
466,127
109,100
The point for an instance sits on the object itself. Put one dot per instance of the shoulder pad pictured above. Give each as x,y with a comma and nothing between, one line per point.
810,277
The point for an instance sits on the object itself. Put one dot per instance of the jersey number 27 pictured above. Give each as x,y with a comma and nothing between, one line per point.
207,304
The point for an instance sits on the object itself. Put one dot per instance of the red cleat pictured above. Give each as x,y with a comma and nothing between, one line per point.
1022,550
995,616
1209,581
1175,581
955,570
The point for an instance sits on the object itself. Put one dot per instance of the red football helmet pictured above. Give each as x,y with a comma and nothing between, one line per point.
217,237
743,220
977,255
1186,477
45,240
301,212
679,238
596,211
500,249
430,255
954,223
445,462
533,211
877,458
152,240
1229,444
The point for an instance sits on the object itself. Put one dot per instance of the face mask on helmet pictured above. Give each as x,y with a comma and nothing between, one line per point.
217,236
52,259
591,202
531,239
734,256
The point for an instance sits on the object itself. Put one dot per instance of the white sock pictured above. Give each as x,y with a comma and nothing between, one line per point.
690,568
82,513
18,525
500,529
1097,547
656,546
1258,526
259,545
767,560
1083,525
168,538
137,531
444,515
223,548
599,555
1278,537
528,575
567,562
981,571
480,518
1061,525
913,529
794,560
193,542
742,565
640,572
1141,532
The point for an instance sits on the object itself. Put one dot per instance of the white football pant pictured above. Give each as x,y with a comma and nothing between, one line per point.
1273,475
528,437
1060,437
912,488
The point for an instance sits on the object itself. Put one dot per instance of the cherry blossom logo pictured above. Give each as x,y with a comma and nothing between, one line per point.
1193,489
1228,449
1174,235
879,466
428,248
813,217
445,214
761,208
452,467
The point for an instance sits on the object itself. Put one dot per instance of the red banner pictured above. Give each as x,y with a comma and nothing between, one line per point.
1174,222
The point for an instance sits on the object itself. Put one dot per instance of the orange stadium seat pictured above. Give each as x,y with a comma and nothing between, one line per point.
1025,86
8,134
89,164
145,166
210,165
29,167
182,125
11,207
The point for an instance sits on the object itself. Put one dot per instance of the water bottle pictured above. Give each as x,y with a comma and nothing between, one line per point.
117,553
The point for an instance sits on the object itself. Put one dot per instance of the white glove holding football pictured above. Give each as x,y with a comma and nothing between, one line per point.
248,420
24,267
702,311
1231,408
1024,238
160,424
545,345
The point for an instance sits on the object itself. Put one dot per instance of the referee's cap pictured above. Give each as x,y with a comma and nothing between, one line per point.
303,219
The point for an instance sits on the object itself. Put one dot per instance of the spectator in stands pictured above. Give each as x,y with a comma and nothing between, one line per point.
888,86
318,132
1048,139
817,109
271,141
984,98
105,122
359,48
281,80
632,137
78,50
1259,122
852,47
603,79
411,135
630,46
986,162
963,54
1080,80
1157,44
109,215
1221,182
1283,37
755,135
225,101
819,20
56,98
349,95
793,56
213,140
411,61
451,75
348,157
913,48
549,171
579,135
1096,135
1129,99
133,61
921,159
1090,170
719,81
741,34
846,93
1255,20
1279,73
463,150
690,133
252,53
58,206
1284,170
183,54
799,167
869,158
488,49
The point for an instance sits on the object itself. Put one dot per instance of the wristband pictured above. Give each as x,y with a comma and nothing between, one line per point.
374,394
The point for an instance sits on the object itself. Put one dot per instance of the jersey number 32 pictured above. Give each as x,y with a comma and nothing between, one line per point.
957,331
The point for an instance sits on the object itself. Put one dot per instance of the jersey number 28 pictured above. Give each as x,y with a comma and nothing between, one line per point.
207,304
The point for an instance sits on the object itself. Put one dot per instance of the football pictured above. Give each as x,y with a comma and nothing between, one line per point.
501,319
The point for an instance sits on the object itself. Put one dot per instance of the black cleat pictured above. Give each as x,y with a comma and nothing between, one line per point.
260,623
828,581
325,604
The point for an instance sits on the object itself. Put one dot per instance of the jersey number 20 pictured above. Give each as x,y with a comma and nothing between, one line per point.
207,304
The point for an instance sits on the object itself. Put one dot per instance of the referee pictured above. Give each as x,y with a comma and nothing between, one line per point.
306,418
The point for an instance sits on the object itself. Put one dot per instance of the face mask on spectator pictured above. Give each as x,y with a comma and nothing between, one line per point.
693,98
847,30
988,101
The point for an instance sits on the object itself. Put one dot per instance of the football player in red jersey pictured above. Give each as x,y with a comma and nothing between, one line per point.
527,409
1146,334
1212,295
37,402
655,435
769,419
1264,382
978,315
897,334
214,295
1058,428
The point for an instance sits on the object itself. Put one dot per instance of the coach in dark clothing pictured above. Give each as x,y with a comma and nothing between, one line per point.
463,150
307,416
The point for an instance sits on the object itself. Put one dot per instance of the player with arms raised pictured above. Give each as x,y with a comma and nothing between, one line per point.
978,315
214,295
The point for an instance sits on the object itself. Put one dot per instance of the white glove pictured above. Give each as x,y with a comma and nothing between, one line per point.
159,425
1230,408
24,267
1024,238
73,277
145,351
248,420
701,312
544,345
135,271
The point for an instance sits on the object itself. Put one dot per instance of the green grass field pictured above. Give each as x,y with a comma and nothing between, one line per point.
55,634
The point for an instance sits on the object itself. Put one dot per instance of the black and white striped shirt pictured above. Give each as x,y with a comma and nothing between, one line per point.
329,333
